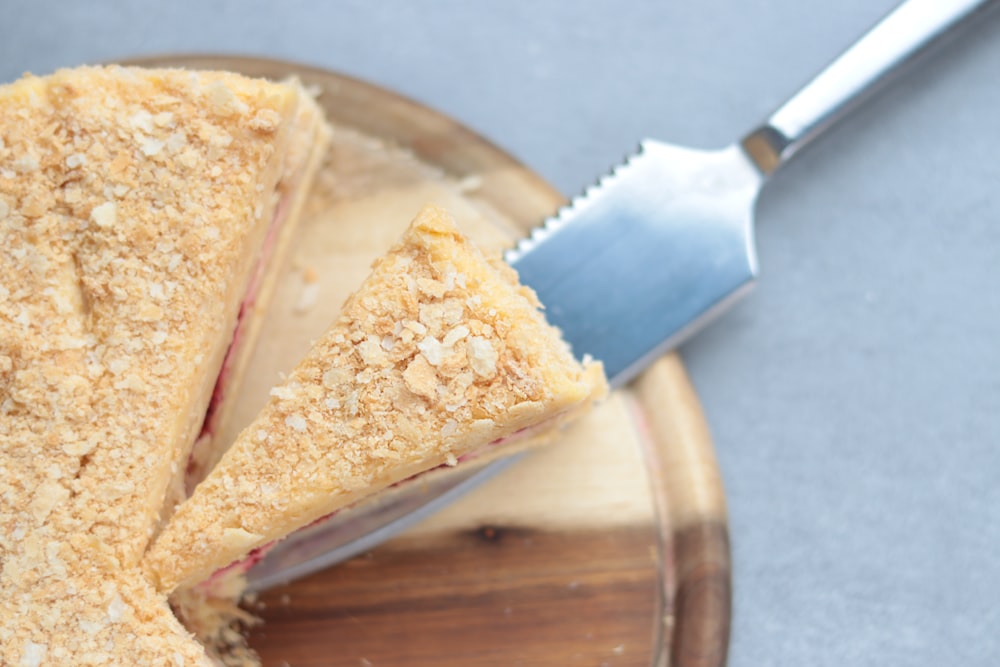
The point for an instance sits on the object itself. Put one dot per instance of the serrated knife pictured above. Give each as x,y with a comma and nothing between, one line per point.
646,257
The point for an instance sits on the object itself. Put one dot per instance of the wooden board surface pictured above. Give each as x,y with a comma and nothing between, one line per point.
608,548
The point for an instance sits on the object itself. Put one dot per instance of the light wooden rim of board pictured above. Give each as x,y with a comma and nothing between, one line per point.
680,457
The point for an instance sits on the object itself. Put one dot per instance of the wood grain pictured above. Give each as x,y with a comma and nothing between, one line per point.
486,597
608,548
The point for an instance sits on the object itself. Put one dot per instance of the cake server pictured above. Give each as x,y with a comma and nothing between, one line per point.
646,257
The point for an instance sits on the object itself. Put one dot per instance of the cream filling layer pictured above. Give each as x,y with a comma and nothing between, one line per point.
219,393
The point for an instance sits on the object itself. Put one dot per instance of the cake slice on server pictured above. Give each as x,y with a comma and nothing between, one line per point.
137,207
439,356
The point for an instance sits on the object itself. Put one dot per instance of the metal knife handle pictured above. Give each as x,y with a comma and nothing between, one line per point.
856,73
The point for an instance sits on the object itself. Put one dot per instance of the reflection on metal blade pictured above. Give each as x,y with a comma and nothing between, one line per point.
644,258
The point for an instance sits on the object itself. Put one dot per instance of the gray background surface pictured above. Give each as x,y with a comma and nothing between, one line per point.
854,397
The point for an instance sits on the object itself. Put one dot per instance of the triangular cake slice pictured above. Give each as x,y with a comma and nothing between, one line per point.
135,208
438,355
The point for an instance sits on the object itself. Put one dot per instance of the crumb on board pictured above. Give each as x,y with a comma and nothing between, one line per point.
308,298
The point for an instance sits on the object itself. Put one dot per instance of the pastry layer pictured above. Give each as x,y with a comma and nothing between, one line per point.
438,354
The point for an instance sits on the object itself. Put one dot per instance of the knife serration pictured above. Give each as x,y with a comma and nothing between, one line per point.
564,215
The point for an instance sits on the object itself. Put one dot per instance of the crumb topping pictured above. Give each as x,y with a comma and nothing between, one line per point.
129,201
439,353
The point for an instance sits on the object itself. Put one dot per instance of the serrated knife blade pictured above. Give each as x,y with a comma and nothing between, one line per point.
645,258
648,255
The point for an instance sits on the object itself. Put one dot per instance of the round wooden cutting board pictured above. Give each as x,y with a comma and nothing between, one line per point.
608,548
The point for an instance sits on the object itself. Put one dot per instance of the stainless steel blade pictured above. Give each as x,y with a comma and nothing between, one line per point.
648,255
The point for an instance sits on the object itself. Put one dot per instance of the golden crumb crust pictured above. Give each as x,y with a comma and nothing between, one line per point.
113,618
132,206
437,355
